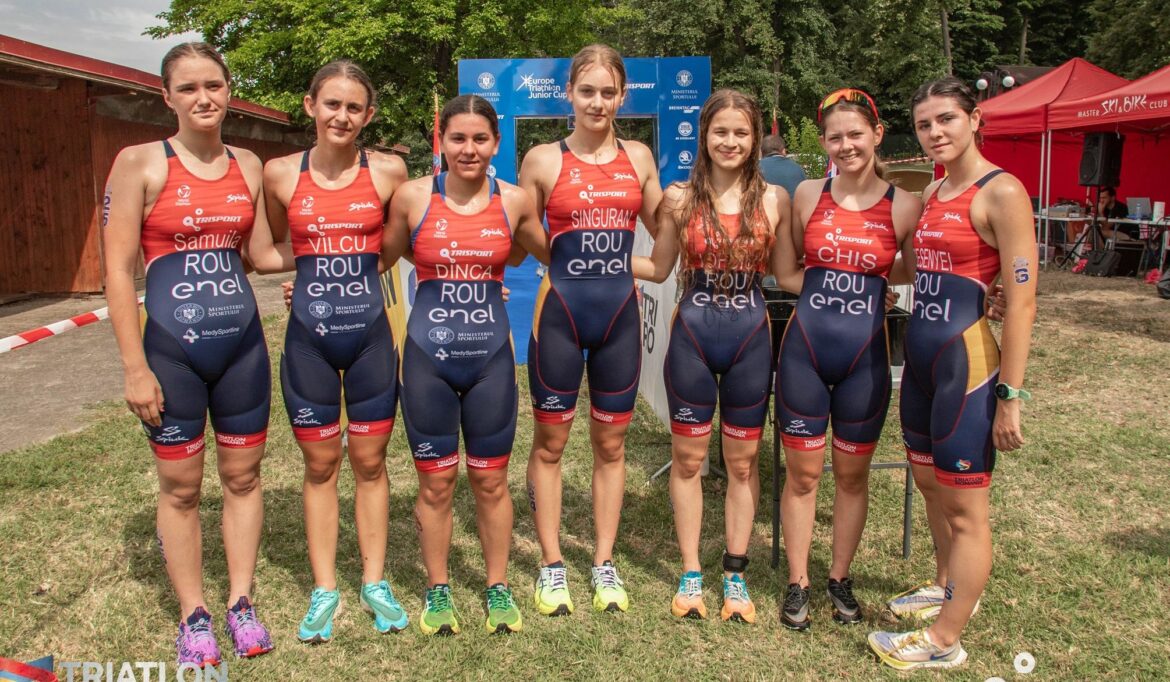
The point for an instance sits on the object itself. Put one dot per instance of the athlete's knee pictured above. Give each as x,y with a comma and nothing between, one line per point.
435,489
687,464
549,446
180,496
322,469
489,486
608,448
368,468
851,482
741,469
802,483
963,516
240,483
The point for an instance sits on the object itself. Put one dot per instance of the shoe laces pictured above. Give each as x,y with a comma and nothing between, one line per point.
438,599
606,577
554,578
691,586
200,632
794,599
499,599
317,603
381,591
914,643
244,618
735,590
843,591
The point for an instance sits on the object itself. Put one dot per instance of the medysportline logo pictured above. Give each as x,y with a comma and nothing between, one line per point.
485,81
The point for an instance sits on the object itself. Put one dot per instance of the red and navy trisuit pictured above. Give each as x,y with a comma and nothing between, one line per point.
202,337
952,359
586,308
458,367
720,342
338,332
834,358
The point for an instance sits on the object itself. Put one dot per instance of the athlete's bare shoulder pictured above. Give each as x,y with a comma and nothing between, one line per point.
283,165
141,157
386,164
1006,187
543,153
247,159
416,189
638,151
931,189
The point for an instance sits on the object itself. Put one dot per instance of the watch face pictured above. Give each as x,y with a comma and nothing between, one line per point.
1001,391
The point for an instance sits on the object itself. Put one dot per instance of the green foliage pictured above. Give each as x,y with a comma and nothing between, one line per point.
805,147
1132,37
409,47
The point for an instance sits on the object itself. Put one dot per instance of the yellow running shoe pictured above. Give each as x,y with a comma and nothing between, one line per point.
552,591
608,593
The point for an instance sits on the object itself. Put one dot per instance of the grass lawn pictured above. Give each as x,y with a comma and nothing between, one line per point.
1081,577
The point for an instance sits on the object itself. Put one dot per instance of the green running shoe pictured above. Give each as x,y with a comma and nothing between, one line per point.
502,613
317,625
608,593
378,599
552,592
438,616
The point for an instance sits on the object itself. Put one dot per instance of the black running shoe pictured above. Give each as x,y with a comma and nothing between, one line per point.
794,614
846,610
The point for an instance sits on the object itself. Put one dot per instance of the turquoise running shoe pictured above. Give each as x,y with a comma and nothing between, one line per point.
378,599
317,625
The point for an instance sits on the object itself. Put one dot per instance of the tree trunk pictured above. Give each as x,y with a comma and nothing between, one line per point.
946,41
1023,42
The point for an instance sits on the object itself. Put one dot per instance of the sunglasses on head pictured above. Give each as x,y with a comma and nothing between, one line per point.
849,95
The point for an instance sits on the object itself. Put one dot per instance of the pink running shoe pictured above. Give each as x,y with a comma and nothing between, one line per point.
196,643
249,636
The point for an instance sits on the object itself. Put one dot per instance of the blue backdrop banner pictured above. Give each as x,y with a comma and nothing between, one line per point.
670,90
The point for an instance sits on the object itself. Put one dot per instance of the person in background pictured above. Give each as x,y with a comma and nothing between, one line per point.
1109,208
776,167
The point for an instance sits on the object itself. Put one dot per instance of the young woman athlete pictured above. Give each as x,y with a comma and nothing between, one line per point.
189,203
457,370
834,358
332,199
591,188
960,392
724,223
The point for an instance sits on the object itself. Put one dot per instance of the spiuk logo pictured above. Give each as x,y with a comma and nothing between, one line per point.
233,198
359,205
551,403
963,464
827,216
624,176
491,232
874,225
952,217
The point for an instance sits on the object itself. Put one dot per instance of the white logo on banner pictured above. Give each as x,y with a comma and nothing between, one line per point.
685,128
685,157
684,78
486,81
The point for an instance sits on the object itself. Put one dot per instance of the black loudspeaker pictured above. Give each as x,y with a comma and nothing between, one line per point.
1101,160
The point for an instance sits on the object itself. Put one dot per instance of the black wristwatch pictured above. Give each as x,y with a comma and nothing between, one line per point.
1005,392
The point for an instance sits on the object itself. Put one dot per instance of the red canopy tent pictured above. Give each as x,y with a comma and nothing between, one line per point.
1016,135
1141,110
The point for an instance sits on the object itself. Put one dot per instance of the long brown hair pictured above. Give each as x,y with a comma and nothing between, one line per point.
754,241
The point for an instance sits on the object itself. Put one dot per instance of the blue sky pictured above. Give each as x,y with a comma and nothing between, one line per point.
110,30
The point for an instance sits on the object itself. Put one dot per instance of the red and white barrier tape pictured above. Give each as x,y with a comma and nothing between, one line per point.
34,335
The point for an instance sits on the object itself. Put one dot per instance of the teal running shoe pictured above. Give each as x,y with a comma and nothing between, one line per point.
378,599
317,625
